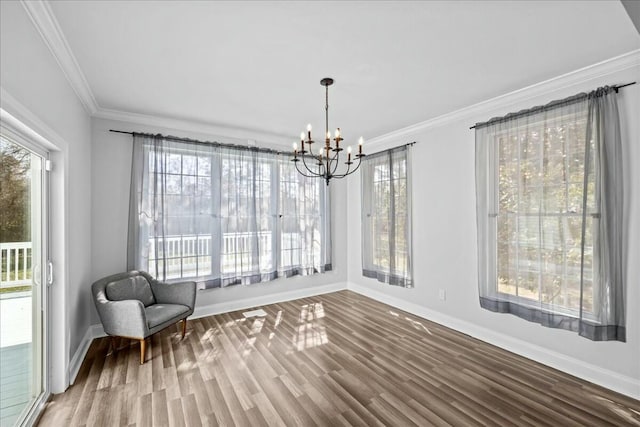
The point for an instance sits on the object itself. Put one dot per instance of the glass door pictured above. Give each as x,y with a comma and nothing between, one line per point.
22,280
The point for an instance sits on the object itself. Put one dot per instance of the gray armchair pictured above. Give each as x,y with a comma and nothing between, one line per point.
135,305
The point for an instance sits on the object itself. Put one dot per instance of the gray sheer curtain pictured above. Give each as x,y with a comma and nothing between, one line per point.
549,213
247,200
305,226
603,128
223,215
173,217
386,216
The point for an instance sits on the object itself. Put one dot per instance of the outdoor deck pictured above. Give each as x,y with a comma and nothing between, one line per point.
15,355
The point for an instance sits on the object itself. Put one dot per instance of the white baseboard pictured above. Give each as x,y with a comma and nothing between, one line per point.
612,380
241,304
96,331
93,331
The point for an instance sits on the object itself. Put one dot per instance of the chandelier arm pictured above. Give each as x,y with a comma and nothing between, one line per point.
358,166
344,174
349,167
304,174
336,162
304,156
321,170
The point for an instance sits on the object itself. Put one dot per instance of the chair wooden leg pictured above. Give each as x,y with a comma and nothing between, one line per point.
184,327
114,346
142,348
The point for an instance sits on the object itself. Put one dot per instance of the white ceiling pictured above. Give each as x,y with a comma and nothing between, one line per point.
257,65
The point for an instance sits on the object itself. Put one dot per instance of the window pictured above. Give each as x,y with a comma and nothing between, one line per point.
248,208
223,215
386,222
182,248
540,190
549,213
304,237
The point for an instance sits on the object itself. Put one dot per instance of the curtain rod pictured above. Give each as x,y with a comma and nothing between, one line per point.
408,144
530,110
219,144
212,143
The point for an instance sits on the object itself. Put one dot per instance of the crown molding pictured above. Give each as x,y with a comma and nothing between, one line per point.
597,70
44,20
47,25
19,118
191,126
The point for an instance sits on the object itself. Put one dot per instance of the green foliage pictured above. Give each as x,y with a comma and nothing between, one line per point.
14,192
539,207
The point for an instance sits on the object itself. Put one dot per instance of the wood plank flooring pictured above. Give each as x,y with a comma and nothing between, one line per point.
335,359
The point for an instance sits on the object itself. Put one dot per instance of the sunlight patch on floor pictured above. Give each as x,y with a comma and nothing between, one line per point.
311,312
278,319
418,325
309,336
257,325
247,347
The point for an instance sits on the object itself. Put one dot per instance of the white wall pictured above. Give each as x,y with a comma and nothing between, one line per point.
445,234
111,175
36,92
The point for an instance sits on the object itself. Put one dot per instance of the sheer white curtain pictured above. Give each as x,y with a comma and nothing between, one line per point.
248,210
305,232
549,213
172,217
386,216
223,215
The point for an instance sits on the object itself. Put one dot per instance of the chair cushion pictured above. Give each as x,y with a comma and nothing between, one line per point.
135,287
159,313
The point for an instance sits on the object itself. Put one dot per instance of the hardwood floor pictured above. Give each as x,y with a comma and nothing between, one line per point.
335,359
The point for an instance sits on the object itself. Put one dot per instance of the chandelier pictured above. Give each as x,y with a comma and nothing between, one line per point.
324,162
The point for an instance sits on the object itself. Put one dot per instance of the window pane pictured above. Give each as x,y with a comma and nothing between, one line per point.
507,254
540,187
204,166
173,184
173,163
188,165
385,226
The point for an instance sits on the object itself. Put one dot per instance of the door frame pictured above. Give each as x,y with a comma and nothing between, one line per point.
31,413
17,119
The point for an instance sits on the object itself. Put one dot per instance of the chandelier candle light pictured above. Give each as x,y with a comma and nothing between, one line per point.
327,158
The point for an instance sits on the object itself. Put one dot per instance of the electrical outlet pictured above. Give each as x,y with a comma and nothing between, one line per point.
442,295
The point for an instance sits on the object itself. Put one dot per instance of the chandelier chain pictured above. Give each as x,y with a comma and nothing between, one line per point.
326,110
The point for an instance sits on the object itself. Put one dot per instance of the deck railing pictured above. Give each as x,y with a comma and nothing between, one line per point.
186,256
190,256
15,263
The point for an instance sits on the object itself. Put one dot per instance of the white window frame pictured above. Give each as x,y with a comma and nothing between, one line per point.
494,168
